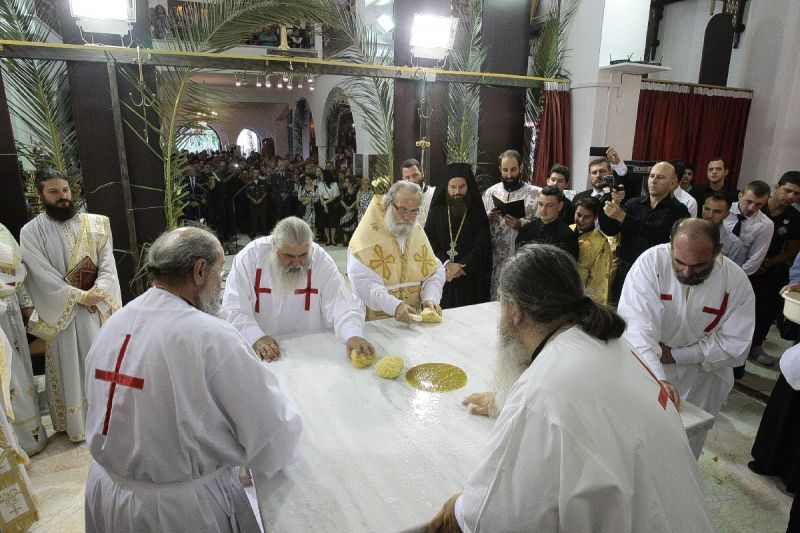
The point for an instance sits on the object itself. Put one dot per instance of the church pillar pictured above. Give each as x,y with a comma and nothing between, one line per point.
604,98
12,201
502,111
101,165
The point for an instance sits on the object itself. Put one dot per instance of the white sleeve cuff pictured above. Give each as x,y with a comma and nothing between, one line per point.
350,330
688,355
252,334
390,304
620,168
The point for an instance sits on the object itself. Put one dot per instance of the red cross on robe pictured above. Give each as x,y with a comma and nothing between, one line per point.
259,289
116,378
716,312
308,291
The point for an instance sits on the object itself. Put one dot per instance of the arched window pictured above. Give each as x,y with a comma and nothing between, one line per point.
199,139
249,141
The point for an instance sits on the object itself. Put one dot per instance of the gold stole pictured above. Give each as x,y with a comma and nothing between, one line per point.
402,272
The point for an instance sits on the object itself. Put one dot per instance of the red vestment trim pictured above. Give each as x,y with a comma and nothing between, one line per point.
666,297
717,312
663,397
259,289
308,291
116,378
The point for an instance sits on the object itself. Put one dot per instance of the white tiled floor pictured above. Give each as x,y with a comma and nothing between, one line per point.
739,500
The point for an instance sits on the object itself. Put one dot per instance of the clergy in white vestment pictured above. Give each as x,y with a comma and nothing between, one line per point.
23,396
286,284
690,314
504,228
390,262
72,279
177,398
17,506
586,439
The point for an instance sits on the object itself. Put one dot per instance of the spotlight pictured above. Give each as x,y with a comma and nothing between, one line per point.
268,84
280,85
310,87
432,36
285,77
289,85
310,78
300,84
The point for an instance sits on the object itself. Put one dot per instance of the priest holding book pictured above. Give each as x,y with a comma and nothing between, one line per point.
510,205
72,279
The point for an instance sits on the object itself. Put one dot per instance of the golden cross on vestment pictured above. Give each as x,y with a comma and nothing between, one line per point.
382,262
425,261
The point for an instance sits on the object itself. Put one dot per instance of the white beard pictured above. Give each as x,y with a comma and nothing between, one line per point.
286,277
208,300
512,360
401,230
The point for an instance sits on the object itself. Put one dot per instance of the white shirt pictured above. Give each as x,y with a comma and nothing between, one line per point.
708,326
732,247
686,199
205,404
756,235
368,285
286,310
585,442
427,196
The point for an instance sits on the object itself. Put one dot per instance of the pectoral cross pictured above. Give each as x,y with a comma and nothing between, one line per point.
452,252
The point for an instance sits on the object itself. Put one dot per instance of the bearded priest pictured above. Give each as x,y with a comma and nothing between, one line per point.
390,263
284,284
458,230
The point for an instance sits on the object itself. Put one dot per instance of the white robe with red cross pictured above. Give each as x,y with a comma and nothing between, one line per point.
256,307
708,326
176,401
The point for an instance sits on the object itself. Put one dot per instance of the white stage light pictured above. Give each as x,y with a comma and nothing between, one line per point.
432,36
104,16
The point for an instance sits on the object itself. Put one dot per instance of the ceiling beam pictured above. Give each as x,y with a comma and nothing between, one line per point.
268,63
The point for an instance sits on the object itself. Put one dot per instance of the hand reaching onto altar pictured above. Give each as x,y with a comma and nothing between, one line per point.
403,313
430,304
362,346
454,270
267,348
480,403
672,392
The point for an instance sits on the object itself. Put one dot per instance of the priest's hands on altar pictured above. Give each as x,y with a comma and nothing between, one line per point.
362,346
404,313
454,270
267,348
430,304
481,403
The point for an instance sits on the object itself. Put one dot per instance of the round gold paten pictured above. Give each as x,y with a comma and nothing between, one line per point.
436,377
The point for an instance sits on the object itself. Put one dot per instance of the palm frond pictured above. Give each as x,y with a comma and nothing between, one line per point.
548,53
372,97
463,100
39,93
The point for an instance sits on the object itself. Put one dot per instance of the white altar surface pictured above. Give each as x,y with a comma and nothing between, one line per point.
378,454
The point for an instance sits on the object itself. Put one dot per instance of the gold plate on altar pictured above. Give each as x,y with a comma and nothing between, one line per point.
436,377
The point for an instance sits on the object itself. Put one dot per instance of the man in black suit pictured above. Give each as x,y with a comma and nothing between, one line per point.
601,167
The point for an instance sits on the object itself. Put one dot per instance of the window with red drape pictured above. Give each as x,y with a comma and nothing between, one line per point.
692,124
553,140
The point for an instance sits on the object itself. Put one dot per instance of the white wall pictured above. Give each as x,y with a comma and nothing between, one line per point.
766,61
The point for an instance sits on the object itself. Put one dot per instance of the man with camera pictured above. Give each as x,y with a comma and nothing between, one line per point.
605,171
642,221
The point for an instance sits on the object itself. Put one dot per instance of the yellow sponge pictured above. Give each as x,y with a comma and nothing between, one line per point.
429,315
389,367
361,360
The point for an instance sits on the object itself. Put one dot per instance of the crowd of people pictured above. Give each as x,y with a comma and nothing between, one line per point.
648,296
234,195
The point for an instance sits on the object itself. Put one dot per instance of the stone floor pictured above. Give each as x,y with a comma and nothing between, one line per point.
740,501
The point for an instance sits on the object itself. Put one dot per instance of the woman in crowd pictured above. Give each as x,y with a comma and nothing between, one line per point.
308,198
365,194
349,202
329,200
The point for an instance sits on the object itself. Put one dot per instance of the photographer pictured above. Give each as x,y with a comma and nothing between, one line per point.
643,221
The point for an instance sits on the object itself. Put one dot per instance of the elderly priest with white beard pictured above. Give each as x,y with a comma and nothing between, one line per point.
390,262
286,283
586,438
177,399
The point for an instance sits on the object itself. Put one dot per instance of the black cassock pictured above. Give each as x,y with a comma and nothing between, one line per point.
474,249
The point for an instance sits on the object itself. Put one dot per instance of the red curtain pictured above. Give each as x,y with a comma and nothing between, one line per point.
553,140
692,124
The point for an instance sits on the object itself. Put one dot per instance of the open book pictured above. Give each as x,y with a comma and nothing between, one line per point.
514,208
